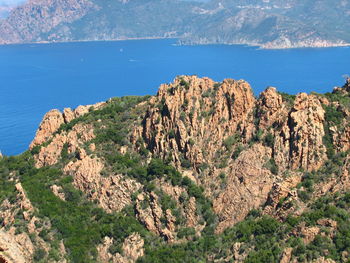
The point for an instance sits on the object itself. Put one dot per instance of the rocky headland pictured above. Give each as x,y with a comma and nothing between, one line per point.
203,170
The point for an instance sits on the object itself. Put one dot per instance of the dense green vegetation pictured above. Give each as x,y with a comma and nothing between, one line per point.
80,223
264,238
7,187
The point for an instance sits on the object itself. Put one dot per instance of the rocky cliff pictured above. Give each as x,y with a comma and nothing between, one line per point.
202,170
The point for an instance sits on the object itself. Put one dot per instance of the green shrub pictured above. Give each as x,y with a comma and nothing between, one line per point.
269,140
186,232
229,142
304,196
289,99
185,163
237,151
39,254
272,166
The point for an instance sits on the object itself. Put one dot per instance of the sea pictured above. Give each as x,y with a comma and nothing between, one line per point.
35,78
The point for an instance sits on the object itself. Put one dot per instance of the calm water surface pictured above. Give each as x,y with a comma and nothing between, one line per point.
37,78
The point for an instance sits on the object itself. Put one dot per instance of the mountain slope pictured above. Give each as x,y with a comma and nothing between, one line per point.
201,172
274,24
269,24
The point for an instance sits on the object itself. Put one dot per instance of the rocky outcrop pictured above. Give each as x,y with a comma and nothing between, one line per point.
341,137
283,193
20,229
339,182
345,89
58,191
307,131
191,213
341,133
15,247
50,124
323,260
112,192
69,114
132,249
53,120
248,186
286,255
197,122
239,256
197,110
71,141
308,234
10,250
299,143
189,209
271,110
245,153
298,129
8,210
151,216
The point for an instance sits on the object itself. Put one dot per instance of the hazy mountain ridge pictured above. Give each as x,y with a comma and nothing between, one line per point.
270,24
276,24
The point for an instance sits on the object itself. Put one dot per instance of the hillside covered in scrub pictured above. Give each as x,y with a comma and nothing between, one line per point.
201,172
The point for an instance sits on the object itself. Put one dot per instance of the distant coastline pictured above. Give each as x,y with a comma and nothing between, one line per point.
270,45
88,40
182,42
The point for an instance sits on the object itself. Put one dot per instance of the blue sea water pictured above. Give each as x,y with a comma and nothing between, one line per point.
37,78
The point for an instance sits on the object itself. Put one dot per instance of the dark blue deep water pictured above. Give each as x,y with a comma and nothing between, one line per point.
37,78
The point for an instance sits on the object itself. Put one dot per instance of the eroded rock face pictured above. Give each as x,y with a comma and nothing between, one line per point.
341,135
15,242
151,216
133,247
337,183
54,119
300,142
57,191
72,140
113,193
286,255
248,185
10,250
323,260
271,109
341,138
189,210
8,211
50,124
15,248
281,195
197,110
307,131
132,250
308,234
238,255
193,118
